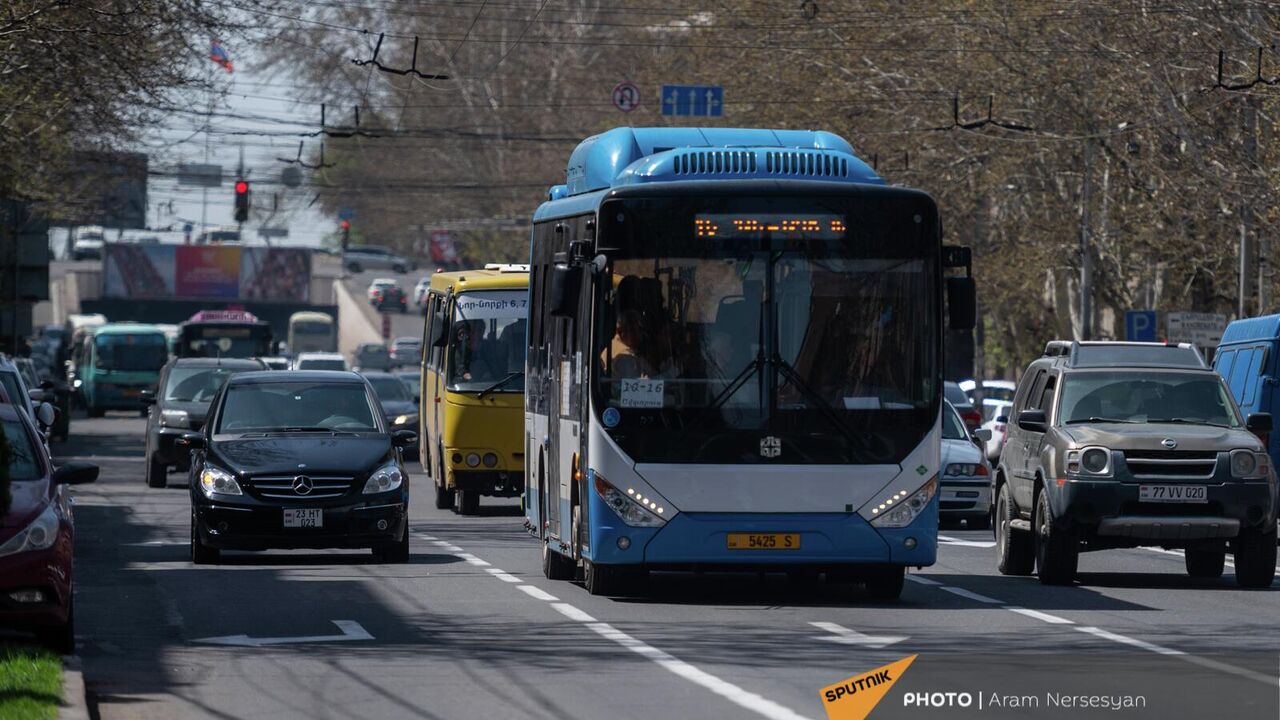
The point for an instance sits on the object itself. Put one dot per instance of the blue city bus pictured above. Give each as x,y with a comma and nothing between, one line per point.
735,360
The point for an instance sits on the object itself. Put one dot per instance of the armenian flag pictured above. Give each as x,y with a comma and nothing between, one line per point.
218,54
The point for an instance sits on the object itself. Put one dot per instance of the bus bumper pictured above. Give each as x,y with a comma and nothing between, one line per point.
700,540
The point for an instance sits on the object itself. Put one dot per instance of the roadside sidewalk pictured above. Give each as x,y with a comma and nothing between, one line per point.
74,706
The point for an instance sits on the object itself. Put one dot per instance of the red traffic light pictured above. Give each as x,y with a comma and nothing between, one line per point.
242,187
345,225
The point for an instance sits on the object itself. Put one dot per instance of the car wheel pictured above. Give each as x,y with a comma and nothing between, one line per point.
201,554
1205,562
1014,554
885,583
1057,550
156,473
396,552
1254,554
556,566
468,501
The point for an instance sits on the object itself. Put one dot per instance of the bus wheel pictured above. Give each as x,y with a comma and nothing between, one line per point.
556,566
885,583
601,579
468,502
444,498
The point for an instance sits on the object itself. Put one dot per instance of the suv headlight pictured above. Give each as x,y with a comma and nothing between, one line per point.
1089,461
175,419
384,479
1249,464
900,513
216,481
633,508
39,535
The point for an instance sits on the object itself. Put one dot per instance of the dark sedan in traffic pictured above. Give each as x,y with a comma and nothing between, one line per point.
298,459
399,406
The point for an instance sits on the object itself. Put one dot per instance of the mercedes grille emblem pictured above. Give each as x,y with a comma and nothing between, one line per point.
302,485
1169,443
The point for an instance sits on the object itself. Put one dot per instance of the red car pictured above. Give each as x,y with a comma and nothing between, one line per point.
37,536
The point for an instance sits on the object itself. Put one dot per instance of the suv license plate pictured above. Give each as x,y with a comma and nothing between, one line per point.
303,518
764,541
1173,493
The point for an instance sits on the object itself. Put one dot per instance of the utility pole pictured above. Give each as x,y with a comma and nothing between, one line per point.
1086,246
1251,242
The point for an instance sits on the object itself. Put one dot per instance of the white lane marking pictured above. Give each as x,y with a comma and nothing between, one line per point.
1045,617
572,612
427,537
945,540
734,694
972,595
441,543
845,636
351,630
473,560
537,593
502,575
1125,640
923,580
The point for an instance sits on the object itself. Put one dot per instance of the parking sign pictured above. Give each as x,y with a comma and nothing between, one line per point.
1140,325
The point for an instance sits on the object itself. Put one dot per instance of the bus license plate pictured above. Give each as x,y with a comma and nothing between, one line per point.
764,541
1173,493
303,518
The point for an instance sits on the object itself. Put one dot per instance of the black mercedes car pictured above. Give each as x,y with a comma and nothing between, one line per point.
298,459
186,387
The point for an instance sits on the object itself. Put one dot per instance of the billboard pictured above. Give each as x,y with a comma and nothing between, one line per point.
218,272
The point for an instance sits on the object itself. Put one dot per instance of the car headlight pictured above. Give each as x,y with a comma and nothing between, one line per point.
1089,461
1249,464
175,419
967,469
900,513
384,479
216,481
39,535
406,419
633,508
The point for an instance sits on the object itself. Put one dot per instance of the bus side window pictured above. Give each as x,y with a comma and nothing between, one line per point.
436,352
1251,377
1239,371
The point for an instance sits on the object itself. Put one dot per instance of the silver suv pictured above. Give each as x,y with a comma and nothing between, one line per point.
359,258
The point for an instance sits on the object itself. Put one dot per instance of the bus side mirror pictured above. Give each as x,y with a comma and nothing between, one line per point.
438,337
563,295
962,303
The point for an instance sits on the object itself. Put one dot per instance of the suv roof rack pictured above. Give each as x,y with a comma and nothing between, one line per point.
1111,353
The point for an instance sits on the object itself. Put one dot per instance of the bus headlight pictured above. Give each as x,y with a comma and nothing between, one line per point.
175,419
900,513
634,510
216,481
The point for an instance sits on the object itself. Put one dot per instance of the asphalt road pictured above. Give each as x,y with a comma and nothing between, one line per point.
469,628
406,324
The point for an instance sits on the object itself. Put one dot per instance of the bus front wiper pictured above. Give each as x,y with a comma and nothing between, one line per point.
500,383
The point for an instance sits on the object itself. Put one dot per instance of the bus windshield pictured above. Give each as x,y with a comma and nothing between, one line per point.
487,341
312,327
144,352
224,340
733,327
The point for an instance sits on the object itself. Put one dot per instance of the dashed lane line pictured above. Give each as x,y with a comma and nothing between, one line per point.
1041,616
971,595
503,575
537,593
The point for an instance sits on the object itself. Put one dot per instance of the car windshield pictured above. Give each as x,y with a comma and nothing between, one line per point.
196,384
952,427
411,381
322,364
487,341
140,352
1146,396
997,393
24,464
9,379
388,387
286,406
994,410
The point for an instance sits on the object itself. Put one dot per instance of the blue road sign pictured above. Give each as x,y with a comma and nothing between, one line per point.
1140,325
693,100
346,213
187,228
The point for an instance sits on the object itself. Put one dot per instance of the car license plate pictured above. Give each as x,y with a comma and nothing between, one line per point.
1173,493
764,541
131,392
303,518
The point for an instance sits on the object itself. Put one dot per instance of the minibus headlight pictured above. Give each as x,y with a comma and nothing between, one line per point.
900,513
634,510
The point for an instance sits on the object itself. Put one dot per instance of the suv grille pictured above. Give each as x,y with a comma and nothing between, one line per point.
281,487
1171,463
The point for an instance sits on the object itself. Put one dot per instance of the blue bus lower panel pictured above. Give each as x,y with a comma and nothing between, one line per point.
826,539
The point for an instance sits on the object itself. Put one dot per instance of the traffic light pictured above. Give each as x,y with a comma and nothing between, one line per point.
346,233
242,200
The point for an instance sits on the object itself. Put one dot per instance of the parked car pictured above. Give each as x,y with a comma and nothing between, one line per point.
399,406
30,401
249,493
371,356
420,293
319,361
276,363
966,479
991,389
186,387
1119,445
406,351
954,395
359,258
995,418
377,286
87,249
37,537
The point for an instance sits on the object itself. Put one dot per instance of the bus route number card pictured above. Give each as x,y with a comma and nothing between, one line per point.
642,393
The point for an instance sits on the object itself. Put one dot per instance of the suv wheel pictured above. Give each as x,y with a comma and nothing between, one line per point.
1013,547
1205,562
1255,557
1057,550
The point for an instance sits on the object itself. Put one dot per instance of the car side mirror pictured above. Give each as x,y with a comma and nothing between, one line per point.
148,396
47,385
37,396
403,438
982,435
192,440
564,286
1033,421
45,414
75,473
962,303
1259,422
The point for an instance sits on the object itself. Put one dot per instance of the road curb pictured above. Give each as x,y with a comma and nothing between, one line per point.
74,705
